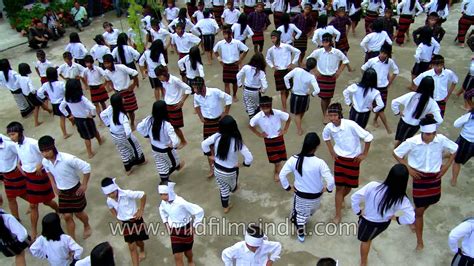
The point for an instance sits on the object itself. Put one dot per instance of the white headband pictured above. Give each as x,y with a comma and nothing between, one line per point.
110,188
428,128
169,189
253,241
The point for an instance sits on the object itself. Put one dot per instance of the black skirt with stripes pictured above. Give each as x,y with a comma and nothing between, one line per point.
360,118
299,103
465,150
86,127
369,230
405,131
462,260
208,40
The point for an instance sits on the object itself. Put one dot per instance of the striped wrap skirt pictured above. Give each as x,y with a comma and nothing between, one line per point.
465,22
304,206
182,238
175,115
343,44
14,183
134,230
38,188
299,104
276,149
229,73
361,118
69,202
129,149
98,93
166,161
129,100
426,189
22,103
208,40
257,37
226,179
370,17
86,127
465,150
279,81
404,23
405,130
251,100
327,84
301,43
346,172
210,127
368,230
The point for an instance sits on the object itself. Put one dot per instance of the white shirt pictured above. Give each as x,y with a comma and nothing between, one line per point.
328,62
94,76
303,81
464,231
175,89
232,160
84,262
77,50
241,37
198,15
171,13
129,52
432,6
423,157
26,86
278,6
187,27
338,4
168,137
347,138
64,170
373,6
467,124
230,16
318,34
122,129
185,42
11,84
410,101
15,227
161,34
230,51
184,64
98,52
70,71
383,70
55,90
314,170
29,154
251,79
287,37
8,155
211,104
145,59
354,95
403,8
467,7
58,253
125,205
270,124
42,67
120,78
372,195
373,41
270,250
424,52
207,26
83,109
442,82
111,37
280,57
180,212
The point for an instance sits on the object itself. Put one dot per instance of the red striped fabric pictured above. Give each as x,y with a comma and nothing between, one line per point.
465,22
38,188
327,85
14,183
403,26
175,115
129,100
426,189
276,150
346,172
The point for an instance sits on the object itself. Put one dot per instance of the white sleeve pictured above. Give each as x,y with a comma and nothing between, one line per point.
314,84
181,64
326,133
206,144
358,197
394,66
196,211
15,227
285,171
274,248
347,93
228,254
462,120
402,100
143,127
419,7
264,82
418,79
74,247
362,133
135,53
80,165
418,53
142,60
458,232
163,214
403,149
62,108
250,32
399,7
172,134
296,53
387,38
239,76
327,175
126,126
269,57
287,78
379,102
364,42
408,216
437,46
90,106
337,33
37,249
298,31
248,158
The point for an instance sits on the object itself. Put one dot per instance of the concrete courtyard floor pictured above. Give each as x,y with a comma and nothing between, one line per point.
259,198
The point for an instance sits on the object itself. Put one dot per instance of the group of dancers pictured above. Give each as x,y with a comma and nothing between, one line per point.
36,171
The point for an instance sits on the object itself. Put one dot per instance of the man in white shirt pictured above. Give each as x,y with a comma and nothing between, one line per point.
303,82
445,81
279,58
269,121
255,250
208,104
465,21
382,64
230,53
176,93
346,152
62,170
177,214
330,64
424,160
465,232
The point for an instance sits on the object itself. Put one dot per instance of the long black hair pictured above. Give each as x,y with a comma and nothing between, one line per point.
195,57
51,74
5,67
441,5
322,21
229,130
159,114
116,101
73,91
377,26
99,39
412,4
74,38
426,89
122,40
258,61
52,227
102,255
395,185
425,35
285,21
243,22
369,80
310,144
156,49
24,69
182,14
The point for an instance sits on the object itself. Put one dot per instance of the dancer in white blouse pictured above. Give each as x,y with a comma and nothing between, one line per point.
14,231
465,232
465,142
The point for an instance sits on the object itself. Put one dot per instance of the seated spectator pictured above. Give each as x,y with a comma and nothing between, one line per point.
79,15
52,21
38,35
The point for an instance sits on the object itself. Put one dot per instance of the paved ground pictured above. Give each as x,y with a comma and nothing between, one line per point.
259,198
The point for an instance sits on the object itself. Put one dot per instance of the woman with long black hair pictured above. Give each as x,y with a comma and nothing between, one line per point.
163,140
289,32
241,30
116,119
416,105
312,178
441,7
360,96
124,53
192,65
14,237
8,79
227,144
382,202
182,19
76,48
255,83
149,61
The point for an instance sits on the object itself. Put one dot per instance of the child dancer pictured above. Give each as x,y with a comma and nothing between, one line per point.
408,10
374,9
240,30
464,254
207,28
324,28
304,22
465,21
258,22
99,50
149,61
94,80
372,42
76,48
192,65
110,35
42,64
424,52
465,143
9,79
341,23
70,69
15,236
171,11
124,53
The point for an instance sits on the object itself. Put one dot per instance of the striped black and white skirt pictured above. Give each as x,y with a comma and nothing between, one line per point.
465,150
304,206
129,149
166,161
251,100
226,179
22,103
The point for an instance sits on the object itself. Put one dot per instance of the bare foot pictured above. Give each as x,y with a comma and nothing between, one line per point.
419,246
129,172
38,124
67,136
181,165
389,131
276,178
299,132
336,220
142,255
226,210
413,228
453,182
210,175
102,140
87,232
91,155
235,99
181,145
376,124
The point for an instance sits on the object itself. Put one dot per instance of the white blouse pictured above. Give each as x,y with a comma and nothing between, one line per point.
168,137
232,160
56,252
